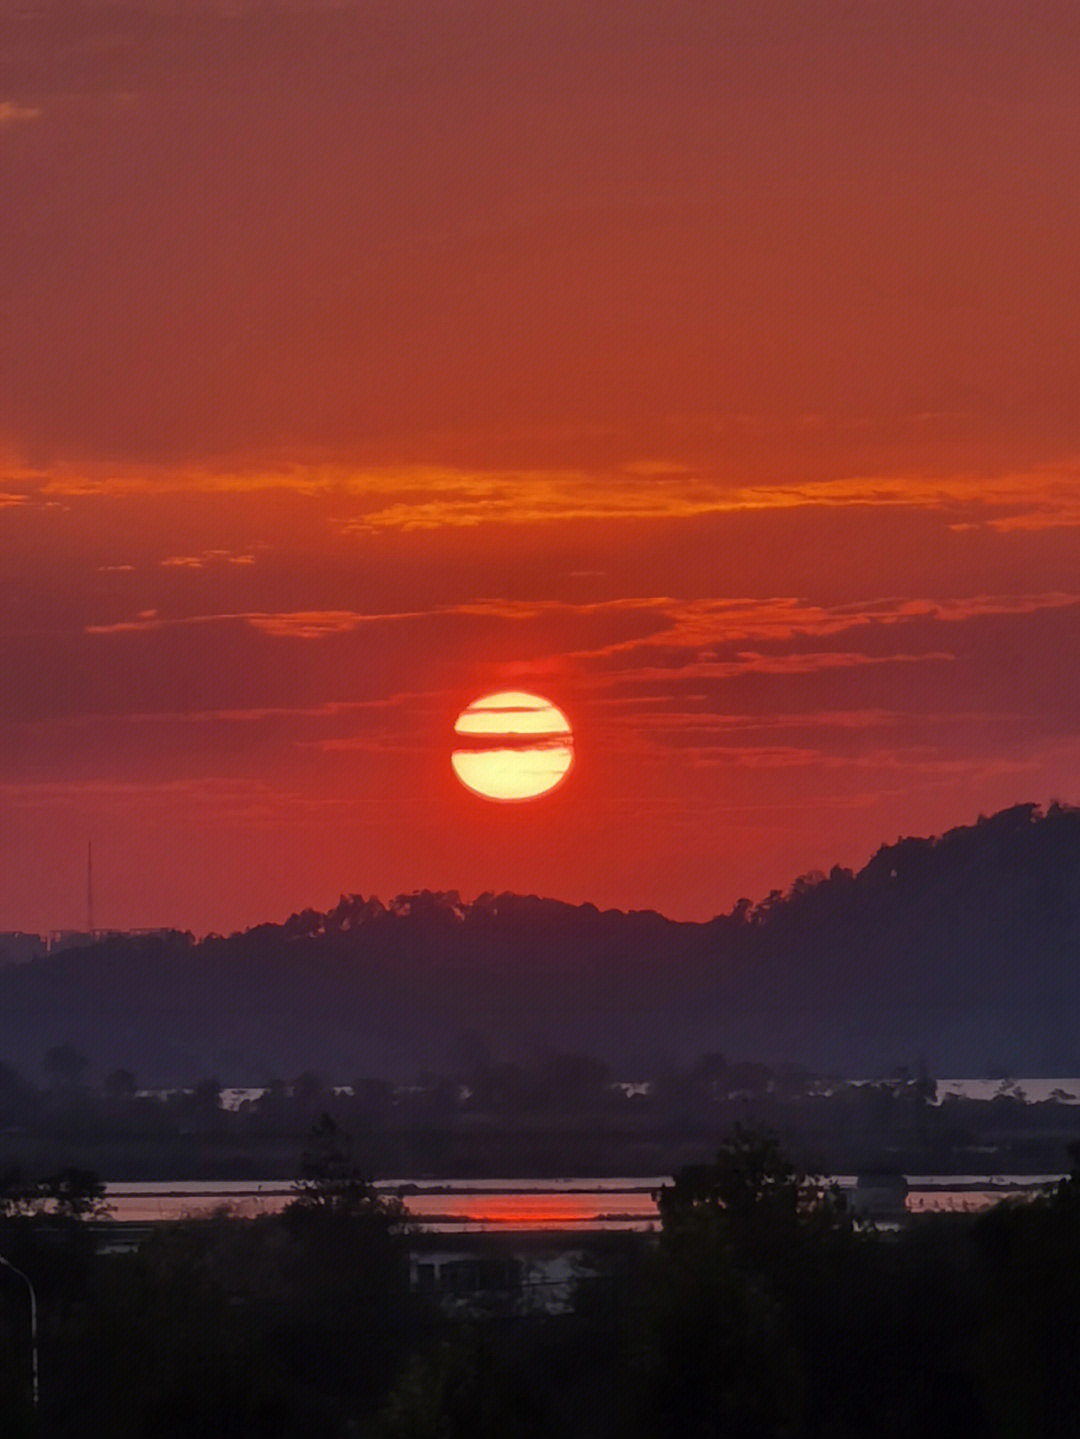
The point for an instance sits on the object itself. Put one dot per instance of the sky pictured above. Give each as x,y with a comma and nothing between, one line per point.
709,369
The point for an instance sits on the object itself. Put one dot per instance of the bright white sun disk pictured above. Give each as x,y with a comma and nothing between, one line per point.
530,746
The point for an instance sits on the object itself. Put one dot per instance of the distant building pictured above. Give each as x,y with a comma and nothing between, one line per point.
490,1274
19,948
62,939
880,1197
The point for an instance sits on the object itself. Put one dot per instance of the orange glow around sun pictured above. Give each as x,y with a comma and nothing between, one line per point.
520,746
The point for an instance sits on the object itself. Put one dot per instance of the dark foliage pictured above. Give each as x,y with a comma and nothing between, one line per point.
760,1311
293,1324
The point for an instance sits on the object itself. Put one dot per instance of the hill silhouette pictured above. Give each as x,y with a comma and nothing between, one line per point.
960,951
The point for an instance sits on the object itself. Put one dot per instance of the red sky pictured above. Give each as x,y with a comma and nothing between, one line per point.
711,369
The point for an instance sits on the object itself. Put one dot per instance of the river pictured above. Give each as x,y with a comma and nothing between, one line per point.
474,1205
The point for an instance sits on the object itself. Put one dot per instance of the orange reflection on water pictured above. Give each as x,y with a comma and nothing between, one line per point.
966,1201
432,1209
530,1211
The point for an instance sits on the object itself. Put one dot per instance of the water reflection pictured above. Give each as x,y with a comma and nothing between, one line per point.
468,1206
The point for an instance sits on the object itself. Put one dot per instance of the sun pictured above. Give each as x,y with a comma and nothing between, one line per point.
513,746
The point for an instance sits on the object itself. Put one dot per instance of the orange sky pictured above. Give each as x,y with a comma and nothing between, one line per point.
710,369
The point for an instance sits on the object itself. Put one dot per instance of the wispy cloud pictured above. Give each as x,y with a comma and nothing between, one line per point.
678,625
916,763
206,558
1044,498
290,624
256,714
12,113
688,627
427,497
750,662
315,624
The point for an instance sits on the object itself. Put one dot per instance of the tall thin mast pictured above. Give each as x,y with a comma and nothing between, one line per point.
89,886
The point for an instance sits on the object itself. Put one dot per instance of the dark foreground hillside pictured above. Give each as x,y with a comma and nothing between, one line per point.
960,952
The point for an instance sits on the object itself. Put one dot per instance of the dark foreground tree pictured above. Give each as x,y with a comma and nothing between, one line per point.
333,1183
743,1239
277,1327
65,1066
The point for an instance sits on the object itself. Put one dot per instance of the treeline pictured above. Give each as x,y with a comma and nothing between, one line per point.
759,1311
555,1114
960,948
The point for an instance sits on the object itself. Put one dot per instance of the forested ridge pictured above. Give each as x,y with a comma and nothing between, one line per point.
959,951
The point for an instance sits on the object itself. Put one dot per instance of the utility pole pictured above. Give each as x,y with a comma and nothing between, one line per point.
35,1390
90,886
